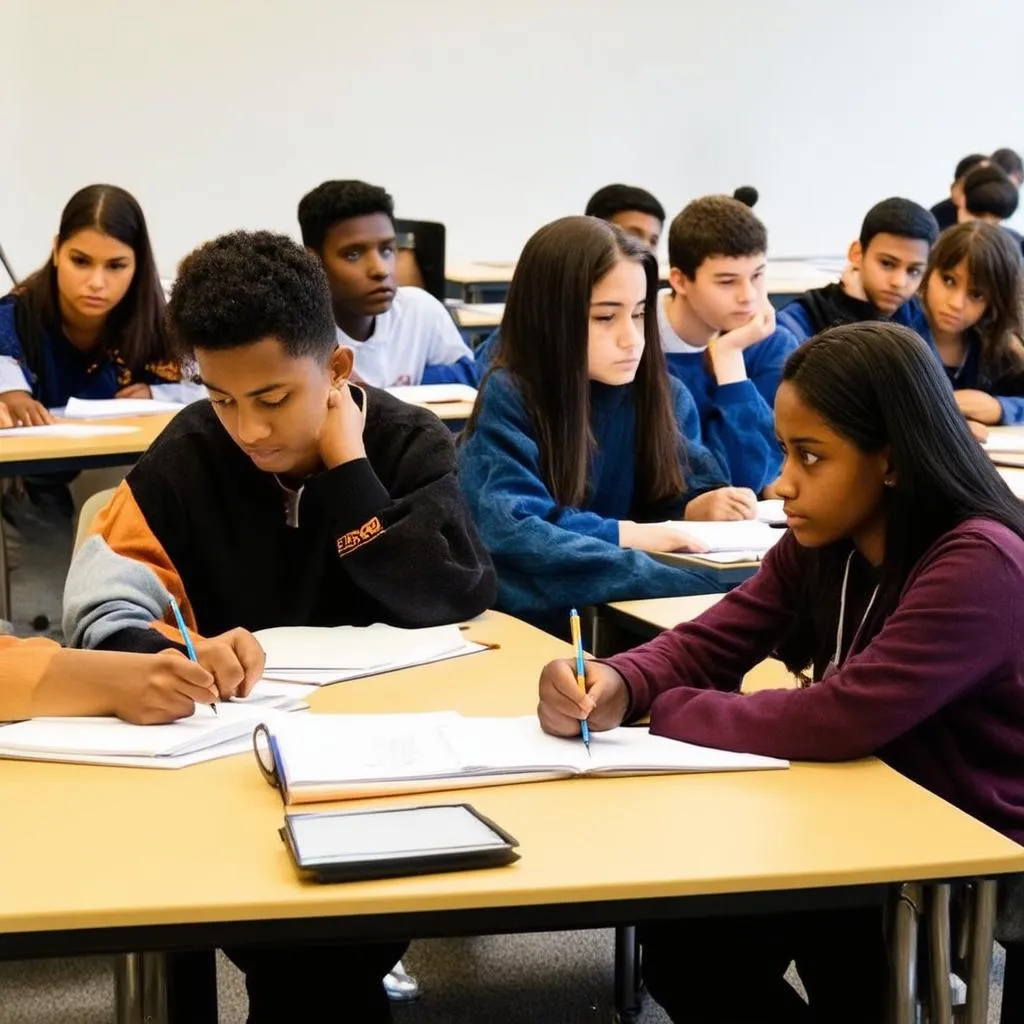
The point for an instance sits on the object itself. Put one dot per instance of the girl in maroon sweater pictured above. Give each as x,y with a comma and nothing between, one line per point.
899,595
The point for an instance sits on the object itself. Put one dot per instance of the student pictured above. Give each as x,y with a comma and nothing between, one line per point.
89,323
290,498
1010,161
400,335
973,295
39,679
945,211
992,196
576,452
633,209
719,334
887,263
898,582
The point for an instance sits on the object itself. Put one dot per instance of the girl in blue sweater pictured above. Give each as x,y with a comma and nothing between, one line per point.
89,323
575,455
973,294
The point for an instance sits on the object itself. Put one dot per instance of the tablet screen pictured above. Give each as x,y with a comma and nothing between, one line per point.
368,835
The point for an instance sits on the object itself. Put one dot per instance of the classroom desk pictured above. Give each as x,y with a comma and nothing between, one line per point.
728,574
487,281
108,860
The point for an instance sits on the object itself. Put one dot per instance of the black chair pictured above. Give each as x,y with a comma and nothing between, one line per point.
424,240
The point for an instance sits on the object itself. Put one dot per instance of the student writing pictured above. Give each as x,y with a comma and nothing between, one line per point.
291,498
973,296
577,447
89,324
900,583
887,263
399,335
719,335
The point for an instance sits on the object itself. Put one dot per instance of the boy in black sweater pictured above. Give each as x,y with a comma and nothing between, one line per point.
290,498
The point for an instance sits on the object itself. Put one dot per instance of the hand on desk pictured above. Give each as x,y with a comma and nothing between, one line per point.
979,406
978,430
158,688
6,419
562,707
723,503
656,537
25,410
135,391
234,659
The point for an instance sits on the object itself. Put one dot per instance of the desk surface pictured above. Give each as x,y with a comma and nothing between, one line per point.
782,276
94,847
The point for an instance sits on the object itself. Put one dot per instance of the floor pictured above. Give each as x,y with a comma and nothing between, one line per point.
555,978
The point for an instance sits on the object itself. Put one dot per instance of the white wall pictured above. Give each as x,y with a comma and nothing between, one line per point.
496,115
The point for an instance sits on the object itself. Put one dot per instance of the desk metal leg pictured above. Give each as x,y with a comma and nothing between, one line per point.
903,954
140,988
628,998
940,955
979,957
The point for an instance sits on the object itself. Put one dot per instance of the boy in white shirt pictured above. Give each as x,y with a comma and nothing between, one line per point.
399,335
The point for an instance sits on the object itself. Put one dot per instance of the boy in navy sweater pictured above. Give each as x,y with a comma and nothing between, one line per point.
718,329
886,267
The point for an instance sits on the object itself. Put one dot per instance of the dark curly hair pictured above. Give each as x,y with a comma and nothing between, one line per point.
714,226
334,201
250,285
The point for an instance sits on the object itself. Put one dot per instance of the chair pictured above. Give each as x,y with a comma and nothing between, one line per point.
421,247
90,509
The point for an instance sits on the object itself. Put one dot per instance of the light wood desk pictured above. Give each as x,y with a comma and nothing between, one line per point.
106,859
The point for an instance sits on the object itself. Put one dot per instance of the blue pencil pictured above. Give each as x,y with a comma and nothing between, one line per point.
581,672
180,620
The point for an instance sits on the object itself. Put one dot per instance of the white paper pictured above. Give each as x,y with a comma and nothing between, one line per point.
325,677
111,737
1004,441
770,511
104,408
741,535
434,394
68,430
353,648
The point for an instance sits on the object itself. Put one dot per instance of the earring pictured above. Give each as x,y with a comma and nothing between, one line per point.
889,482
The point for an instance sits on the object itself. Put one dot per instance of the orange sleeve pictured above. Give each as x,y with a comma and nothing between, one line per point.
23,663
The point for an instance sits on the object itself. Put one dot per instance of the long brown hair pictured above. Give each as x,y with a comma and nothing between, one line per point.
135,326
994,270
543,344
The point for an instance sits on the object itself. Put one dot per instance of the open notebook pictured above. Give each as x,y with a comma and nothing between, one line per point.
330,654
745,540
342,757
203,736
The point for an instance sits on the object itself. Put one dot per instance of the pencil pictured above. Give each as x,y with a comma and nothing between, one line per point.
581,673
180,619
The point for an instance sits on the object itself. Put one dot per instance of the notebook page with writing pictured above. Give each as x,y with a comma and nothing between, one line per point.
353,648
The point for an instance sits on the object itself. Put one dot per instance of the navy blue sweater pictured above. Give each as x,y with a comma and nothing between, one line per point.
550,558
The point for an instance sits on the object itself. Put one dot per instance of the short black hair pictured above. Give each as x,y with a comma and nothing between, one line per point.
606,202
714,226
990,190
334,201
968,163
901,217
1009,160
250,285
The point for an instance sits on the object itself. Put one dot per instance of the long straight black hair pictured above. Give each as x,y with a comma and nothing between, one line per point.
135,326
879,384
544,342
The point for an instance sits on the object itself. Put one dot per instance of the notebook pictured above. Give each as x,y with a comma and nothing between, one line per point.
103,408
110,741
1004,441
434,394
319,655
744,535
770,511
342,757
68,430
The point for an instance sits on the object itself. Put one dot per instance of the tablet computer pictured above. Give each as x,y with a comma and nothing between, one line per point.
340,846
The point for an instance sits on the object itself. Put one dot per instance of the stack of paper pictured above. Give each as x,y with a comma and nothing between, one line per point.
1004,441
744,540
105,408
338,757
319,655
434,394
203,736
